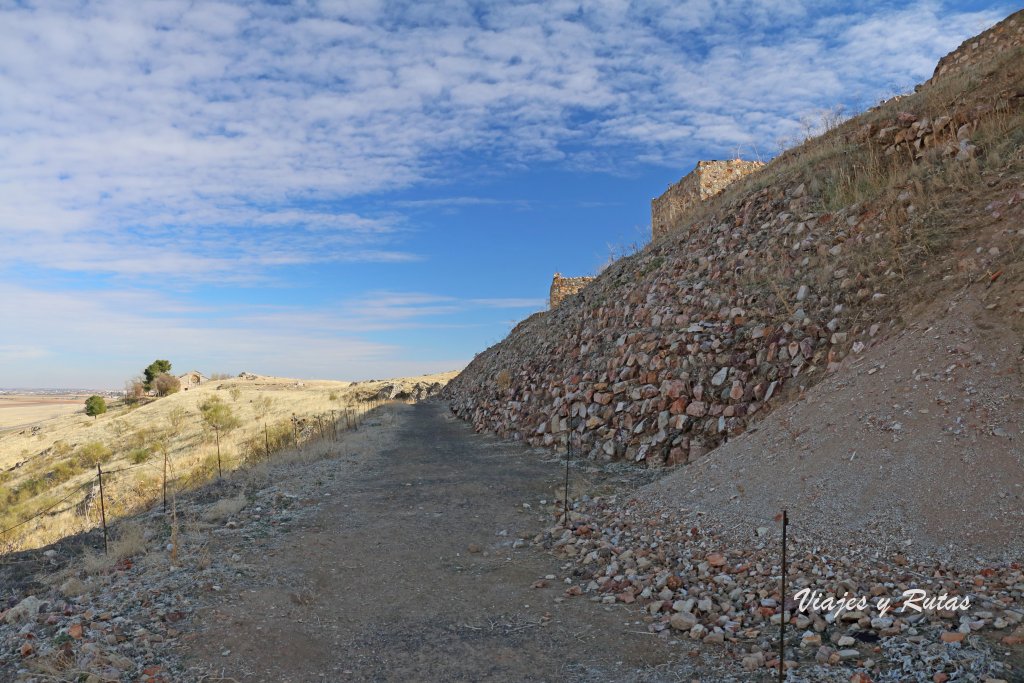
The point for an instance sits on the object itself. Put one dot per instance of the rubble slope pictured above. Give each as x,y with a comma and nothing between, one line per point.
788,276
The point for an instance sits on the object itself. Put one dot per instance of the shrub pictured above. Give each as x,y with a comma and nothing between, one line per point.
60,448
139,455
165,384
63,471
176,418
141,437
134,390
92,454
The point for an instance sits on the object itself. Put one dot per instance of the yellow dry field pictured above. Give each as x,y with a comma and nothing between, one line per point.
50,467
24,410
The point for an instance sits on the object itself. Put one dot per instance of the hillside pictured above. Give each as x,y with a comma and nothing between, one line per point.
787,277
839,335
50,468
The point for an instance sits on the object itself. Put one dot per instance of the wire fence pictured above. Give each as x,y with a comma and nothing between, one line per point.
304,430
817,549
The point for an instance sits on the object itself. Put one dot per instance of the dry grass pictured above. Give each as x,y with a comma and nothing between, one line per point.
38,469
74,587
129,542
225,508
18,410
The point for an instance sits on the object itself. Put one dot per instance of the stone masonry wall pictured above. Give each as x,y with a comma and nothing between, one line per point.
705,181
562,287
683,345
1005,36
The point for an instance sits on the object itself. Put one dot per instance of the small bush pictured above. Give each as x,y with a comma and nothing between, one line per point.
139,455
176,417
60,449
141,437
64,471
92,454
224,508
165,385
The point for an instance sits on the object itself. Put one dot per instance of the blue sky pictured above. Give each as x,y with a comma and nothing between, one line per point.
350,189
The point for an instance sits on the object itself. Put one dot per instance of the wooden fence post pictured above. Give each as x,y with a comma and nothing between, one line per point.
103,510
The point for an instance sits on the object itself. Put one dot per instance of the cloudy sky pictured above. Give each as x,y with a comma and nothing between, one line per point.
353,188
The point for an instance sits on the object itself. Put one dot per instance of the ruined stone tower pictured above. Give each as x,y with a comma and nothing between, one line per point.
705,181
562,287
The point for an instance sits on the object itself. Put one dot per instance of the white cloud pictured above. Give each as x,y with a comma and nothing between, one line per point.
218,142
99,337
187,116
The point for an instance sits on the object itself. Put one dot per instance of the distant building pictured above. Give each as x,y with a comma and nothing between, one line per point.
192,378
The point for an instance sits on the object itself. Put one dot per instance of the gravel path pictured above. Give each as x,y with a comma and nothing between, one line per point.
408,572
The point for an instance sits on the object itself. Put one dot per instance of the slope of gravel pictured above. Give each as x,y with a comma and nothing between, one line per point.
919,442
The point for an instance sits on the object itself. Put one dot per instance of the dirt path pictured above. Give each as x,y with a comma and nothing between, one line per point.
380,583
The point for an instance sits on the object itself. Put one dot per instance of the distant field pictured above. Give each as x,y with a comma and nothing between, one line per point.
41,468
20,411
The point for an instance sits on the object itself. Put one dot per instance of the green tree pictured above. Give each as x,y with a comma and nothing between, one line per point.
218,416
95,405
154,370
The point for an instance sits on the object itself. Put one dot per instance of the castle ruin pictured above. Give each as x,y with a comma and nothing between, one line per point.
563,287
705,181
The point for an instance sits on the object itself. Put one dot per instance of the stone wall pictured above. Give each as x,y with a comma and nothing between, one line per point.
1005,36
562,287
705,181
670,352
686,344
674,350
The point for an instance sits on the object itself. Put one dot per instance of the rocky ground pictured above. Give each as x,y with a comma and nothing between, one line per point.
403,551
714,579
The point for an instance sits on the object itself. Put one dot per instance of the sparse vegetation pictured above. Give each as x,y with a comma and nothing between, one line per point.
64,453
219,417
93,453
137,456
176,417
134,391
